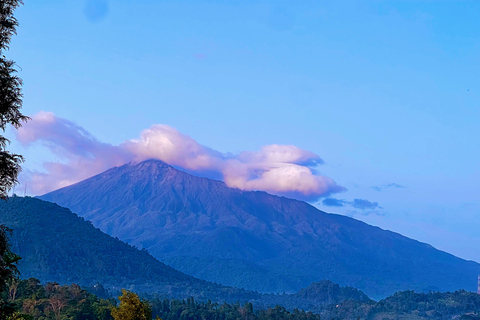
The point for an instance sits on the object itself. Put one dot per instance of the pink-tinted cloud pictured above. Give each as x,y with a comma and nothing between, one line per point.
278,169
83,155
286,179
173,147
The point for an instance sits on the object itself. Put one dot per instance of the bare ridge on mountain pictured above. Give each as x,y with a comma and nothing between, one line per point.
254,240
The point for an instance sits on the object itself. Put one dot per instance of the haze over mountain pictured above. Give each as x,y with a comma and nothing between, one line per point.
254,240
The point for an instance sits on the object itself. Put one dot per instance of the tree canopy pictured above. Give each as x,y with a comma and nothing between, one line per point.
10,98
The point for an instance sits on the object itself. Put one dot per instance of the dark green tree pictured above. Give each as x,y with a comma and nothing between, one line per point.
8,272
10,98
10,105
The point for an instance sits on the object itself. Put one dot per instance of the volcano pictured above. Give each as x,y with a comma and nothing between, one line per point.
254,240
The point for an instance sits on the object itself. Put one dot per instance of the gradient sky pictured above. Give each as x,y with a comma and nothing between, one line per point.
387,93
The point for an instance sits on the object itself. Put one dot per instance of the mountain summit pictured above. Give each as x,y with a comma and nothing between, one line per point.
252,239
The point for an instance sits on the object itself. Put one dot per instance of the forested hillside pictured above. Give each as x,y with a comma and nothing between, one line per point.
57,245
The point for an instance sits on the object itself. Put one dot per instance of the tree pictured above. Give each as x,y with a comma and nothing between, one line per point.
10,105
56,304
10,98
8,272
132,308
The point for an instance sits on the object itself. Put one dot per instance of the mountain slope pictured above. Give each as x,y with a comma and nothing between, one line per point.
252,239
57,245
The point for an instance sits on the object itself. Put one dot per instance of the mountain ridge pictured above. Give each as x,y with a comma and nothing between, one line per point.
252,239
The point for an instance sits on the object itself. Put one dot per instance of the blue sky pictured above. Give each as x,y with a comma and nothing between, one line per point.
383,91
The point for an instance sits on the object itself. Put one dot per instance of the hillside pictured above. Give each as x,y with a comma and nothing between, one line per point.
255,240
315,297
409,305
57,245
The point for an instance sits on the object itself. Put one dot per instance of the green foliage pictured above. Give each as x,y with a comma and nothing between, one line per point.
52,301
189,309
10,98
19,316
411,305
8,260
8,272
132,307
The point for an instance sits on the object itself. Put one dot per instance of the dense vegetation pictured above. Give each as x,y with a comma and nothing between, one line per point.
52,301
191,310
8,270
411,305
402,305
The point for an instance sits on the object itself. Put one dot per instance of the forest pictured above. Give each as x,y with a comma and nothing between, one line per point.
32,300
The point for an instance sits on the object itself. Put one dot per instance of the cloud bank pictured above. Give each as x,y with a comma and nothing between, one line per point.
278,169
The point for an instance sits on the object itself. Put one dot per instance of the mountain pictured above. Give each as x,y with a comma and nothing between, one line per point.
58,246
255,240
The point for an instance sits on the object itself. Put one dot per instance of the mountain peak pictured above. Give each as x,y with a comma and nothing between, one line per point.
149,167
150,163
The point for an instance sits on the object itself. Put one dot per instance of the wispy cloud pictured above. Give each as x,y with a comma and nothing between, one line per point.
361,204
279,169
387,186
84,154
332,202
